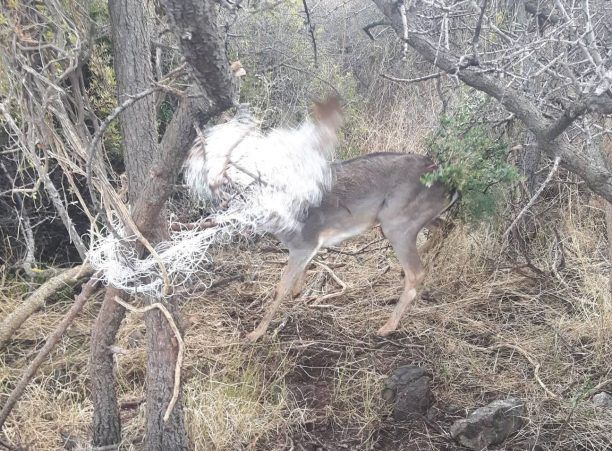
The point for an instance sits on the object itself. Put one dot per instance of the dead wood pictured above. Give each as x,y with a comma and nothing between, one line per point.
86,292
37,300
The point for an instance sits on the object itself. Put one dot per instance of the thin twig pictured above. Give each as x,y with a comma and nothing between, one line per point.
52,191
577,402
413,80
320,299
200,225
361,250
22,213
535,196
536,365
311,73
378,23
91,148
181,347
477,31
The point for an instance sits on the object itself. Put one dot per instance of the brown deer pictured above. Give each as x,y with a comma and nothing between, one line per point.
377,189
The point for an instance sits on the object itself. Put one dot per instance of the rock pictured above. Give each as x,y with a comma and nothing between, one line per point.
408,390
603,400
489,425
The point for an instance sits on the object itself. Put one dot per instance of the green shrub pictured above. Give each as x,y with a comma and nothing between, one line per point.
472,163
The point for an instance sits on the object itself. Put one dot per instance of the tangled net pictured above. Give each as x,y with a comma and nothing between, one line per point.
252,182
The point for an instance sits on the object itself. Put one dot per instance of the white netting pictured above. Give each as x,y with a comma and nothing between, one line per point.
252,182
269,180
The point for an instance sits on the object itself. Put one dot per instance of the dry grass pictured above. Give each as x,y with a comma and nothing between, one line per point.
315,380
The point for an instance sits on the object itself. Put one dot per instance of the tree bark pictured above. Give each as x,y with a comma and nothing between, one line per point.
133,70
106,424
195,24
161,360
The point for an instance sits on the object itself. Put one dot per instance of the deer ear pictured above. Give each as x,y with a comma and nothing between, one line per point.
323,111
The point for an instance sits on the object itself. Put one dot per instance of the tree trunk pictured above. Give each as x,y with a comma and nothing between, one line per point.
161,360
106,425
132,62
151,171
133,70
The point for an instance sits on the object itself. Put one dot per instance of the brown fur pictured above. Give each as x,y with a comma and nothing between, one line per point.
382,188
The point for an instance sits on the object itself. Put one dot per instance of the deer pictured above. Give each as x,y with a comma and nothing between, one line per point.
378,189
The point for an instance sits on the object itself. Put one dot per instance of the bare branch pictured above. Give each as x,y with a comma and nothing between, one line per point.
529,110
36,300
52,191
378,23
86,292
413,80
529,204
311,30
91,148
478,30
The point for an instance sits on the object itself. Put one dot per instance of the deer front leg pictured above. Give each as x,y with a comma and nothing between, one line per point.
298,286
293,273
262,327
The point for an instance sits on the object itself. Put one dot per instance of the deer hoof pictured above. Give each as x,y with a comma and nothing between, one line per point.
385,330
253,336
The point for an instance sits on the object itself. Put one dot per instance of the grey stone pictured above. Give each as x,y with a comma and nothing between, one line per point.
489,425
408,390
603,400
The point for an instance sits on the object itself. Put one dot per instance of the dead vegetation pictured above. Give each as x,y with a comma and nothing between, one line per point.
485,327
529,316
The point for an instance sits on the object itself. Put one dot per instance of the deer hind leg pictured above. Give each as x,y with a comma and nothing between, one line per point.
292,275
404,245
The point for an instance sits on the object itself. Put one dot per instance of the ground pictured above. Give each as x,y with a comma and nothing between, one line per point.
484,327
